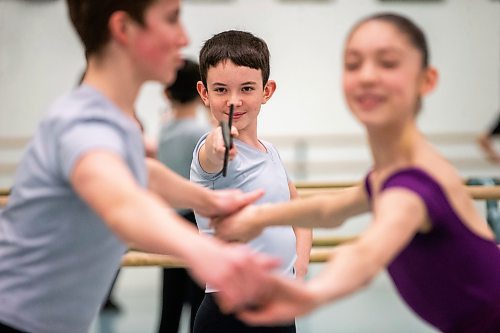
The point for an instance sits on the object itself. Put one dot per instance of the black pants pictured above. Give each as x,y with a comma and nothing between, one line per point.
210,319
178,288
7,329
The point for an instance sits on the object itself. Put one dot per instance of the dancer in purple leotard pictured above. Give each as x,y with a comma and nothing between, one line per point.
437,248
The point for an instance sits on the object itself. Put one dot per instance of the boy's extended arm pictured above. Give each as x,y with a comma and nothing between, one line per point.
141,219
303,238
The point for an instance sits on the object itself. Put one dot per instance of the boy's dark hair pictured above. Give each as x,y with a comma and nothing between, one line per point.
183,90
242,48
90,19
415,35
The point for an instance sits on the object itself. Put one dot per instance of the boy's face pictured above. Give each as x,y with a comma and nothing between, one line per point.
241,86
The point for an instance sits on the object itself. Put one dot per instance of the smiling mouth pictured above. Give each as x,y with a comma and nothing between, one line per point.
236,114
369,102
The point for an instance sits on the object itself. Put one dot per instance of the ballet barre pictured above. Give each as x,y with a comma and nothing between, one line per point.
331,185
331,240
136,258
477,192
322,245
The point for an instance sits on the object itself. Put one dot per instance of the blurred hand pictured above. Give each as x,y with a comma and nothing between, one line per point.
285,300
239,274
241,226
225,202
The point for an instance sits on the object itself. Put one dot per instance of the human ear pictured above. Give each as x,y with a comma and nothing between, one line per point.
118,26
429,81
269,90
203,92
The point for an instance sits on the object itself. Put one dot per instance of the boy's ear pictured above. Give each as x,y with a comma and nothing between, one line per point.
118,26
269,90
203,92
429,82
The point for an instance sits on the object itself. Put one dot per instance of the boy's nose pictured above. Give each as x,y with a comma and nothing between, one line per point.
236,101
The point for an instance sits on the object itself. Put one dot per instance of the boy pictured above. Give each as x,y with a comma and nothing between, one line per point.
83,190
234,67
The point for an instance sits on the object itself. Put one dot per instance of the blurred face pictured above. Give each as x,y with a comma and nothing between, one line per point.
383,75
156,46
241,86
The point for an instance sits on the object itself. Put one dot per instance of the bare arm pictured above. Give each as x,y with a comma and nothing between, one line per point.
351,266
137,216
174,189
485,141
142,219
354,265
303,238
181,193
324,211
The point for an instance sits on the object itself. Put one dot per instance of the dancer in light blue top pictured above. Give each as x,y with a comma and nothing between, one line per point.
84,192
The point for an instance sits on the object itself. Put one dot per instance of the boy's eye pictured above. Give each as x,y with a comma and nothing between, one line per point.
247,89
172,18
220,90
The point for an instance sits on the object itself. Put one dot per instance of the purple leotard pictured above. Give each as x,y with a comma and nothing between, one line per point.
449,276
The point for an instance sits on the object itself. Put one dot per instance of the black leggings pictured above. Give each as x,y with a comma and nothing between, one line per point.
8,329
178,288
210,319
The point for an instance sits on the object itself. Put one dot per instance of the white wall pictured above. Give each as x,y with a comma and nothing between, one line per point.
306,41
40,58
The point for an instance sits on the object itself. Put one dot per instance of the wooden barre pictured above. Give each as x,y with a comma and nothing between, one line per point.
333,185
299,185
138,259
481,192
477,192
330,185
329,241
143,259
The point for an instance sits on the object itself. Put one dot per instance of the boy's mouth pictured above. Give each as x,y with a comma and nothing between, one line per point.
236,115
